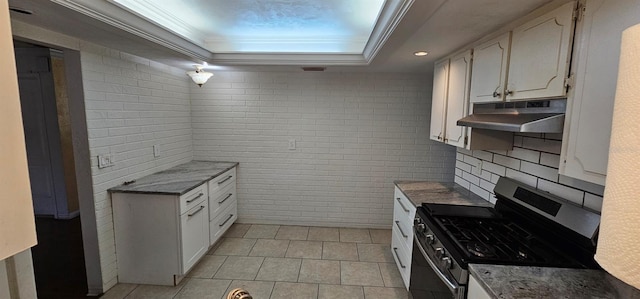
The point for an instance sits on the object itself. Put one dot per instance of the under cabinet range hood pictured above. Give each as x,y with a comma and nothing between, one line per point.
540,116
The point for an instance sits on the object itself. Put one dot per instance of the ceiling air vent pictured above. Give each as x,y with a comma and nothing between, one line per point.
314,68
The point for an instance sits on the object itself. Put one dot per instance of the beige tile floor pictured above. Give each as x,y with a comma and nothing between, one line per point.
277,261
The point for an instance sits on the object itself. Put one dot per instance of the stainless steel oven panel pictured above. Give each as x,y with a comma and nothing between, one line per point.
456,289
455,271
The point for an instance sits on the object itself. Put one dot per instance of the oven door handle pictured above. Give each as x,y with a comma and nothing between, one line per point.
455,288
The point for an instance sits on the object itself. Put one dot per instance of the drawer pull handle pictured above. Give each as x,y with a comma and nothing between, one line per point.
395,250
225,222
196,212
193,199
400,228
222,182
225,199
402,205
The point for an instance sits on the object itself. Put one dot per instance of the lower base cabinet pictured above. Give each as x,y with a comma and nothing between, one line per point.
159,238
475,290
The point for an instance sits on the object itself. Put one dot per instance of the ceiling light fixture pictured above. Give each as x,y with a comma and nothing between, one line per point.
420,53
199,76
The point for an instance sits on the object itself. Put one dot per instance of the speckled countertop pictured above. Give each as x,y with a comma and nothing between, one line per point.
177,180
537,282
436,192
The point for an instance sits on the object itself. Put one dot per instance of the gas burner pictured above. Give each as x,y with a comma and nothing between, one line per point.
480,250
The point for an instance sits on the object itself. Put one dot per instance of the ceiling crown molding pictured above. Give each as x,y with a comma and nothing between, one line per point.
191,43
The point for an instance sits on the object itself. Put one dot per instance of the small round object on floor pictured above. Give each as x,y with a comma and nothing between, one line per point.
239,294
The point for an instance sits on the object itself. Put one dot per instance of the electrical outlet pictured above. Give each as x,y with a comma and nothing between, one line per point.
292,144
105,161
156,150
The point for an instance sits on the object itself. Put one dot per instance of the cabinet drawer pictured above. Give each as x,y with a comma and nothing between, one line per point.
403,204
221,223
222,181
193,198
402,256
221,200
403,227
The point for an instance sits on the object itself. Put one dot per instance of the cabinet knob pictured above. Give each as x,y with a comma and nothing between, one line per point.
496,94
508,92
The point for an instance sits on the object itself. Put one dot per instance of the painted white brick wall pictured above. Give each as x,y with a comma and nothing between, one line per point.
355,134
131,104
534,160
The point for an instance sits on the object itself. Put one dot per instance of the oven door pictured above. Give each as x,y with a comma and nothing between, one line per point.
426,279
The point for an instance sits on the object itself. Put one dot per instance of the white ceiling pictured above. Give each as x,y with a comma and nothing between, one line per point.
437,26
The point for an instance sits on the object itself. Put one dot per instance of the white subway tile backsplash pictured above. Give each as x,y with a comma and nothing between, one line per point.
494,168
460,181
551,160
522,177
593,202
524,154
506,161
471,178
479,191
540,171
582,185
542,145
483,155
570,194
486,185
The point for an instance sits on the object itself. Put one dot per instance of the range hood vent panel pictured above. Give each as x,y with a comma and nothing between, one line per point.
525,117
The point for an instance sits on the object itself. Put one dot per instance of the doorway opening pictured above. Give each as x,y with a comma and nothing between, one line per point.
55,172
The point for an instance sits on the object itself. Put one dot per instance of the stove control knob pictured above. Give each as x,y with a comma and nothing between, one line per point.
430,239
439,252
417,221
446,262
422,228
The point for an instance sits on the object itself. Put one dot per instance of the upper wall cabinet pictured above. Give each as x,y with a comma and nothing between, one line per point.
451,85
590,111
540,55
451,98
439,99
489,75
458,98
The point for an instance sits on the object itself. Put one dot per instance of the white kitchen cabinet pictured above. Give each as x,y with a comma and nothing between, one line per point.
223,205
541,54
450,101
439,99
159,237
489,75
589,115
451,85
475,290
458,98
404,212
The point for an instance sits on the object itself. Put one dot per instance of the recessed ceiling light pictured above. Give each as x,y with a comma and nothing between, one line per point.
420,53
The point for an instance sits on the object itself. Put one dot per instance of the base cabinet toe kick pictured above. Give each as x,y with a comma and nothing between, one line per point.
160,237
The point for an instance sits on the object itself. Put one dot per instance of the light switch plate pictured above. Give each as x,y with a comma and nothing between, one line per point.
292,144
105,161
156,150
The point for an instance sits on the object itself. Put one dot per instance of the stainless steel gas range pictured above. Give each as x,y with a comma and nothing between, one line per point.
526,227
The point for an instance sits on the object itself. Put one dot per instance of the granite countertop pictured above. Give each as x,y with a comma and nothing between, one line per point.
539,282
177,180
443,193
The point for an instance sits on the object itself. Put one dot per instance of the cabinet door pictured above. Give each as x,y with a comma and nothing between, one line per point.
590,111
195,235
458,98
489,75
540,55
439,99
